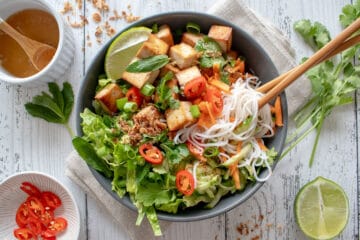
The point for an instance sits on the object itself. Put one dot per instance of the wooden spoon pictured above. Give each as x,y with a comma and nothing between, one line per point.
40,54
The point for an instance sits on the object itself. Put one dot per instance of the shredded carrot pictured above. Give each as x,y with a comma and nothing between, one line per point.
206,118
216,71
234,172
238,146
261,144
278,112
220,85
272,109
232,118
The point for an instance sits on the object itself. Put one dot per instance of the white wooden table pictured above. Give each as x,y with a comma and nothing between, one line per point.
27,143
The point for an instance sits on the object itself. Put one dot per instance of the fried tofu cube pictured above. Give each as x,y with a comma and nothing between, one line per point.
107,97
153,46
178,118
184,55
187,75
165,34
223,35
191,38
168,68
232,55
139,79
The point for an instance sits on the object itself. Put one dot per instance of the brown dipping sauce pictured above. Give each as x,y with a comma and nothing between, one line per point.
35,24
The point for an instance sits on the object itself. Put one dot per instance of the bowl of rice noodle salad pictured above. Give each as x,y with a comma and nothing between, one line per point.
202,149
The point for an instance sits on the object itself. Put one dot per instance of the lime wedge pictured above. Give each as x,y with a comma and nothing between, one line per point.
123,49
321,209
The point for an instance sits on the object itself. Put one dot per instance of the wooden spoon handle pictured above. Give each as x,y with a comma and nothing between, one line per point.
321,54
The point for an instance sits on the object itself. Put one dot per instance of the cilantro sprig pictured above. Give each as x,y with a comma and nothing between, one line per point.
333,82
55,108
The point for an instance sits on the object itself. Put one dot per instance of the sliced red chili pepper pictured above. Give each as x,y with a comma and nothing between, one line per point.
214,97
36,208
134,95
56,226
50,200
30,189
196,151
195,87
22,214
35,225
185,182
47,217
151,153
24,234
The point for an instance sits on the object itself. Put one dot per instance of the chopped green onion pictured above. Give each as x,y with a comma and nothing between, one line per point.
155,28
192,27
120,103
195,111
103,82
147,89
211,152
130,107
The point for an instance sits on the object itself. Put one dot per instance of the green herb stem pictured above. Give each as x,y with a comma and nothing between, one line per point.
69,129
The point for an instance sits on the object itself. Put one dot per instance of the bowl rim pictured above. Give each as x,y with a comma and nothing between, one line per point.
211,212
61,27
24,173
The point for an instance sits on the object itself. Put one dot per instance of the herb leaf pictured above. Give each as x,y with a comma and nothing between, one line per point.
56,108
333,82
88,153
316,34
165,94
148,64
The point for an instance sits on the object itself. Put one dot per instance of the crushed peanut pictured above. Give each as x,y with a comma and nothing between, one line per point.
96,17
98,31
67,7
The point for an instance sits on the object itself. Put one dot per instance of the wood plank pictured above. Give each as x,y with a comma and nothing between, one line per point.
337,148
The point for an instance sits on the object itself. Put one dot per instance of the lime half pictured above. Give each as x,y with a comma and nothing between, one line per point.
321,209
123,49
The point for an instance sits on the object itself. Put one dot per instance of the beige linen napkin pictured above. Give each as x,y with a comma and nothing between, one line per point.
282,55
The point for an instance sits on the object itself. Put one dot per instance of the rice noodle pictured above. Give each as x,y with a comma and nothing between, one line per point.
240,105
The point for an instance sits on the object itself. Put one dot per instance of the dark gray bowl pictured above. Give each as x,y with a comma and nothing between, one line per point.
257,60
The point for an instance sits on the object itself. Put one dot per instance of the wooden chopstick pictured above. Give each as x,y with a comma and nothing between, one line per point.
309,63
345,45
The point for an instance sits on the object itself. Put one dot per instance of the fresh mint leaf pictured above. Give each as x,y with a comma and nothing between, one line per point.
56,108
148,64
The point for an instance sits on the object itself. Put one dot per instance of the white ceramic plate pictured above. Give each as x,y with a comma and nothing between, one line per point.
11,196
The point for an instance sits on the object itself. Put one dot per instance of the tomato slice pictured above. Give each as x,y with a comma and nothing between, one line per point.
134,95
50,200
185,182
24,234
22,215
36,208
196,151
151,153
214,97
56,226
195,87
30,189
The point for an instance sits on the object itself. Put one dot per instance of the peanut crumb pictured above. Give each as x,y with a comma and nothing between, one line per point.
89,44
96,17
79,4
98,31
67,8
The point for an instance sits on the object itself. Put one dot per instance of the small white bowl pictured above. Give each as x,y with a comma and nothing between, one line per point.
64,53
11,196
